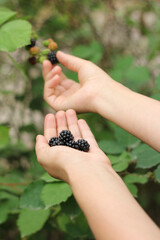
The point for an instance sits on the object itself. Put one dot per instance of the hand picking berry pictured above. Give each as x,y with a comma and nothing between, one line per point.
66,139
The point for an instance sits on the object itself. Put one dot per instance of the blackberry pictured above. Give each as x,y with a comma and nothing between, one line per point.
83,145
52,57
32,60
65,136
32,43
54,141
72,144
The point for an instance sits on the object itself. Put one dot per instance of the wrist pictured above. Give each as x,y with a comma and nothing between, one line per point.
110,100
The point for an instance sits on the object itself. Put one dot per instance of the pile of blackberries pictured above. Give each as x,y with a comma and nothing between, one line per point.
66,139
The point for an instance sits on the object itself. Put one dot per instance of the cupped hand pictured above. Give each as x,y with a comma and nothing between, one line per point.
62,93
64,162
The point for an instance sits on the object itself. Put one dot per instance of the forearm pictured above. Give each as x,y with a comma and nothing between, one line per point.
134,112
111,211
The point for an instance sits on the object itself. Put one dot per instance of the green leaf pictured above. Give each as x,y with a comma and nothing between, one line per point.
3,214
31,196
31,221
55,193
135,178
8,206
92,52
147,157
47,178
137,77
70,207
82,51
5,14
156,96
123,162
14,34
110,147
125,138
133,189
123,62
157,174
4,136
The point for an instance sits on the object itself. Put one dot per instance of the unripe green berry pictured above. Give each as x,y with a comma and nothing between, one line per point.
45,43
42,58
45,51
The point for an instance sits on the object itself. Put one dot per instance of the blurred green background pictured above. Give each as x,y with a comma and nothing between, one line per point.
123,38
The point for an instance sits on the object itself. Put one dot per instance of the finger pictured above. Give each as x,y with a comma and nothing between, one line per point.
53,82
41,147
61,121
73,124
56,70
50,126
86,133
47,66
71,62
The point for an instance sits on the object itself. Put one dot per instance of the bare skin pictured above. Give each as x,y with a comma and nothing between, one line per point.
98,92
110,209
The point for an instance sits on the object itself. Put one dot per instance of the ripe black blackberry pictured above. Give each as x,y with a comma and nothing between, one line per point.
54,141
83,145
32,60
32,43
65,136
72,144
52,57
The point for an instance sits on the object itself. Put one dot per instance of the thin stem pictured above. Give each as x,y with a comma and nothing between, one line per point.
18,66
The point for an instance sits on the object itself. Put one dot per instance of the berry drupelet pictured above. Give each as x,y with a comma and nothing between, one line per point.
52,57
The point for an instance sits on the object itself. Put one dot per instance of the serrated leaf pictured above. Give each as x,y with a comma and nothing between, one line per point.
47,178
157,174
31,196
135,178
120,167
14,34
55,193
147,157
123,162
5,14
125,138
110,147
4,136
31,221
133,189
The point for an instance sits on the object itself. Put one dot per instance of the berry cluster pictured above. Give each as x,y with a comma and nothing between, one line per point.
38,55
66,139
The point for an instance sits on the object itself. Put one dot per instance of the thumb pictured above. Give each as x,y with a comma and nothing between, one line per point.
71,62
41,147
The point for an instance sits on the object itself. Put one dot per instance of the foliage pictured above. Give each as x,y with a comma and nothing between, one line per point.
39,206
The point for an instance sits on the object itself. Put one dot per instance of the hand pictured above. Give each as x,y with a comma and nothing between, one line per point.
64,162
62,93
